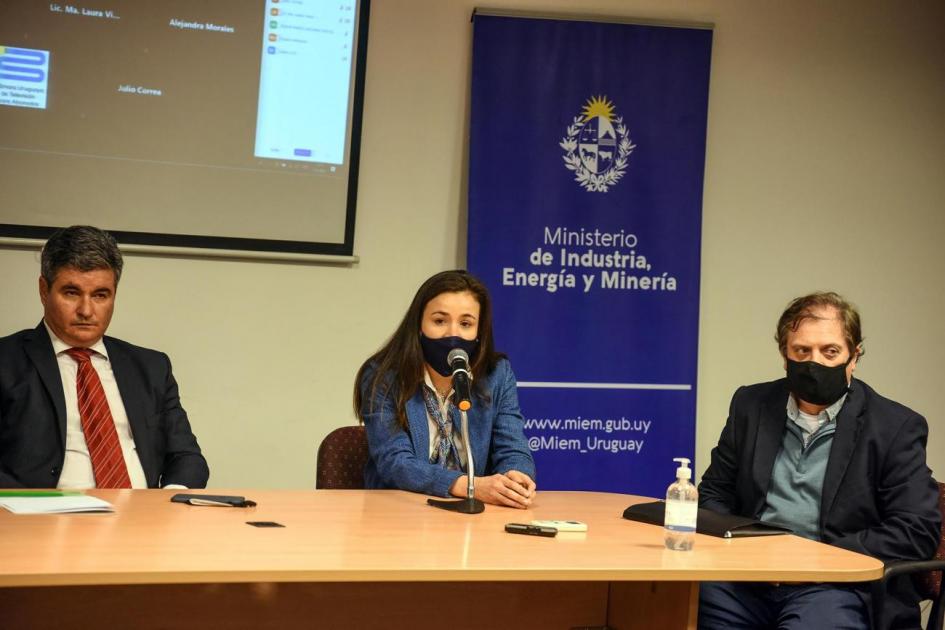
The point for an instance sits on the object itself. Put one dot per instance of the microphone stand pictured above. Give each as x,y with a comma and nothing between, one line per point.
469,505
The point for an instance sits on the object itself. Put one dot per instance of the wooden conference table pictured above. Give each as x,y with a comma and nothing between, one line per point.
366,559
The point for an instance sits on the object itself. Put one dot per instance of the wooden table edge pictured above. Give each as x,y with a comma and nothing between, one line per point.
367,575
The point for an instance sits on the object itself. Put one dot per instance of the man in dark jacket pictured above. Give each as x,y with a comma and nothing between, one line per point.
79,409
825,455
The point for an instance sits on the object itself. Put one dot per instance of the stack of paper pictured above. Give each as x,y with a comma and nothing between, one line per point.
52,503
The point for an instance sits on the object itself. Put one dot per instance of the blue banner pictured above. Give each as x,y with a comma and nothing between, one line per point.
587,151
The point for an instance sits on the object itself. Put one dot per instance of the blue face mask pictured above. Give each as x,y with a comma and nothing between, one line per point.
435,351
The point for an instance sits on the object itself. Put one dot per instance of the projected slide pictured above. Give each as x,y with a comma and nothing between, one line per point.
203,121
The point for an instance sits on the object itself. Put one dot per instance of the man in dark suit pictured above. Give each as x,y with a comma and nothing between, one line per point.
79,409
825,455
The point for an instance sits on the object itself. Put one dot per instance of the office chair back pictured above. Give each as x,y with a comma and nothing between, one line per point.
925,574
929,583
341,458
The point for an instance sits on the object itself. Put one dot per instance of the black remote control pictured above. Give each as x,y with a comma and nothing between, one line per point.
530,530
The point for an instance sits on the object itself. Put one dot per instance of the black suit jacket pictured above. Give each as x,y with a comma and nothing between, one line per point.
878,497
33,414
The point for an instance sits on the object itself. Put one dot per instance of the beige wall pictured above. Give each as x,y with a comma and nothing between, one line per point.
824,170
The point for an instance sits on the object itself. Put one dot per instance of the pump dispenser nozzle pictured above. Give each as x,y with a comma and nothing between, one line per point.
683,472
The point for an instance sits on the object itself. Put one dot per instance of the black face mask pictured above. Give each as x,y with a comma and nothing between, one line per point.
435,351
817,384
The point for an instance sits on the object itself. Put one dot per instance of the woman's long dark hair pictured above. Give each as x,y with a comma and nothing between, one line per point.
397,368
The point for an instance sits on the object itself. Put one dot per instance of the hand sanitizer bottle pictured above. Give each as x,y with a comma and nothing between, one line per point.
682,508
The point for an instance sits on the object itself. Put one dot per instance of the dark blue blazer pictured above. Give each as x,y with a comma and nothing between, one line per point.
33,414
878,498
401,459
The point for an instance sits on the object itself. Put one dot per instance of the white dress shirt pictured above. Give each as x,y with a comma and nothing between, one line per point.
77,466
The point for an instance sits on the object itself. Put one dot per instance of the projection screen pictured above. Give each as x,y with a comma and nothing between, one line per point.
211,124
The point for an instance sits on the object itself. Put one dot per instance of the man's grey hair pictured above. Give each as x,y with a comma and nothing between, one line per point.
83,247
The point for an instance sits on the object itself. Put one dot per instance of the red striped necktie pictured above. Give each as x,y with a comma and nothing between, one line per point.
108,463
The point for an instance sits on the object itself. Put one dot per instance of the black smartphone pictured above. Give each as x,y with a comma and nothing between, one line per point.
219,500
530,530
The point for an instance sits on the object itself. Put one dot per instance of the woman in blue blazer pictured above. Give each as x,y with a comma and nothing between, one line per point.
403,395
